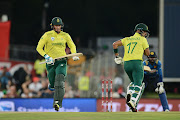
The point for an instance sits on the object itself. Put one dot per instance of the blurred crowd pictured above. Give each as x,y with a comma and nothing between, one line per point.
23,83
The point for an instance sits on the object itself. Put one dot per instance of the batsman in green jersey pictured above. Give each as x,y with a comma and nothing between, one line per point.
52,45
134,48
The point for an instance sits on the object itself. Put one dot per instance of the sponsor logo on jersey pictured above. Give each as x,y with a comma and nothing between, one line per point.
61,44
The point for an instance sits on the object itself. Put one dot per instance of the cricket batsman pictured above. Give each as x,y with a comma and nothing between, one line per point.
52,45
134,48
154,77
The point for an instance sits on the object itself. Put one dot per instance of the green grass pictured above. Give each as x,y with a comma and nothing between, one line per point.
89,116
155,95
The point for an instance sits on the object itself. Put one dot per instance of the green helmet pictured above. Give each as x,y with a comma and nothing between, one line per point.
141,26
57,21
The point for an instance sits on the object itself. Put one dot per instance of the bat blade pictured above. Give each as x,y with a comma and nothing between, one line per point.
70,56
66,56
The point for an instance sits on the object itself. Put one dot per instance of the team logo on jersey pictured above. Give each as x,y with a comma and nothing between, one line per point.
52,38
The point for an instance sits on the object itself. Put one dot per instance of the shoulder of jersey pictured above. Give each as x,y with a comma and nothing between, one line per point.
64,33
49,32
158,62
147,62
127,37
143,38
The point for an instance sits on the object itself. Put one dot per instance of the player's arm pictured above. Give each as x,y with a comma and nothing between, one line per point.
71,44
115,46
147,52
41,44
159,71
72,47
146,47
160,84
144,64
147,69
118,59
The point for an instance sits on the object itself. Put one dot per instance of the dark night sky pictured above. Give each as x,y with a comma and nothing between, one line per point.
82,18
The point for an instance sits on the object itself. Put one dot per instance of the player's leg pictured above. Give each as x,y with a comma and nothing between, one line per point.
130,88
162,96
128,68
164,101
138,75
138,93
51,76
146,80
61,71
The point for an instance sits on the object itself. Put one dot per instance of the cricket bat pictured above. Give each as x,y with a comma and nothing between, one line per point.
69,56
147,68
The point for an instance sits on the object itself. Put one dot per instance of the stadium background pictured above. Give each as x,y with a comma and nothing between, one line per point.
94,26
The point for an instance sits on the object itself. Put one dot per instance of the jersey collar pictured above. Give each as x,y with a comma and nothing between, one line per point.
56,32
137,34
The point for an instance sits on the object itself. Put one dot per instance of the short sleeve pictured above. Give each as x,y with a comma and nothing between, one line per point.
144,63
123,41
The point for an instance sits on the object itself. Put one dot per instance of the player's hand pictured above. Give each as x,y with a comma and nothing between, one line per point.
160,88
118,60
152,71
49,60
75,58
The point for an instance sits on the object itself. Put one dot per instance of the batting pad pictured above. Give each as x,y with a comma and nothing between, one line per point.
130,88
137,93
59,88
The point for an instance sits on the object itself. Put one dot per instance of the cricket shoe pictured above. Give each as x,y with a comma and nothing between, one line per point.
166,110
132,106
128,97
56,107
130,110
49,87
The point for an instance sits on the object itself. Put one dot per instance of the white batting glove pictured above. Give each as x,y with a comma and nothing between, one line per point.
75,58
118,60
160,88
49,60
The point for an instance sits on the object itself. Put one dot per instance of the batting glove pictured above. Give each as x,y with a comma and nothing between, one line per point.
49,60
160,88
75,58
118,60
